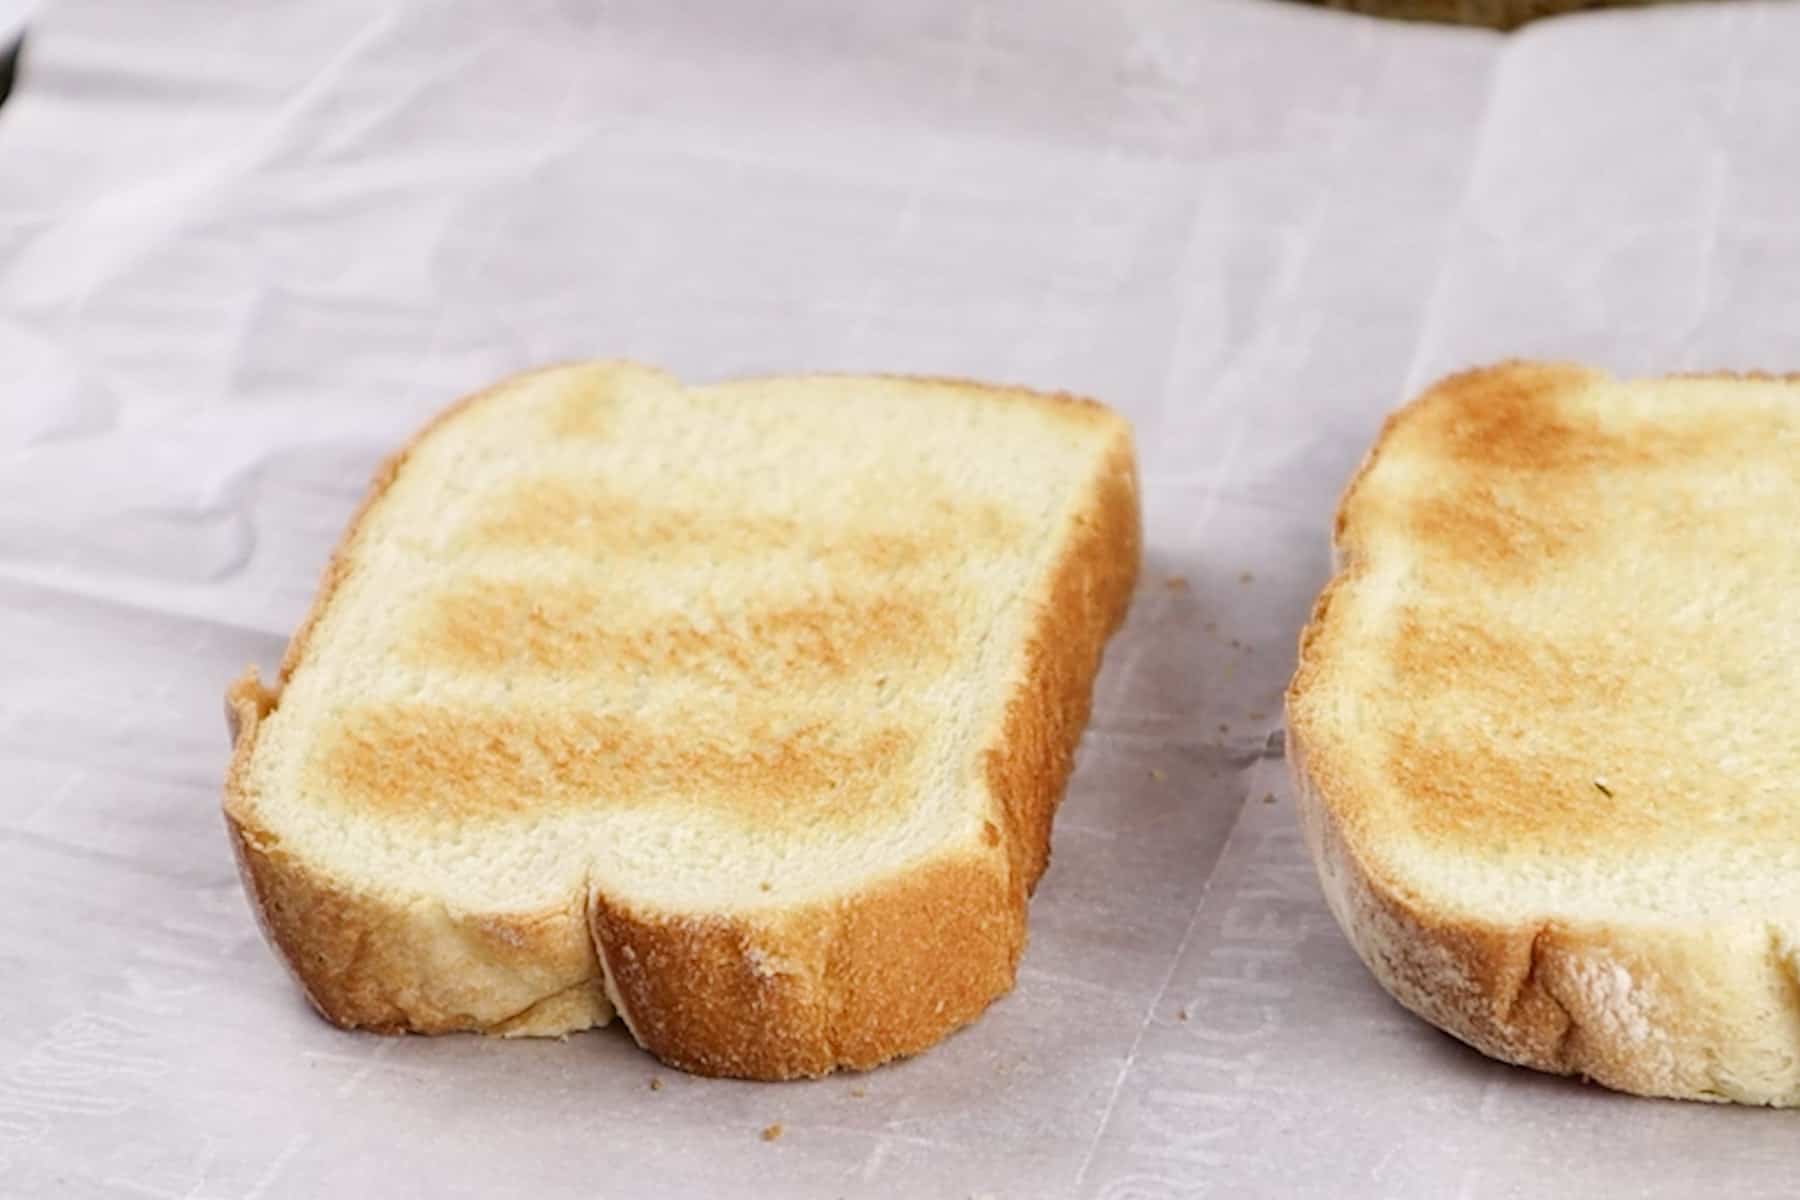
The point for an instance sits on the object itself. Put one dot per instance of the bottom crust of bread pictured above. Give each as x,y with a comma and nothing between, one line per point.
1695,1013
880,975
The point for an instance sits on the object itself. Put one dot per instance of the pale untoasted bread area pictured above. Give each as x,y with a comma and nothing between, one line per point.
1545,717
710,654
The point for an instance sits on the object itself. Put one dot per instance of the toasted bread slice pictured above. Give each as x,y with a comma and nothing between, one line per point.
1544,725
741,711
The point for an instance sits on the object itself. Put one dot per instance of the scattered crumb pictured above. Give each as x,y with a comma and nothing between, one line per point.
1268,797
771,1132
1245,577
1235,644
766,886
1211,627
656,1083
1157,774
857,1093
1181,1014
1224,727
1176,583
1257,714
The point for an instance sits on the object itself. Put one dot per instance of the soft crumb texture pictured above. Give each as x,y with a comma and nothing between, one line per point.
1543,724
615,685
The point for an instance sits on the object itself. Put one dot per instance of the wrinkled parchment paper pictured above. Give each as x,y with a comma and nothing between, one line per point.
245,249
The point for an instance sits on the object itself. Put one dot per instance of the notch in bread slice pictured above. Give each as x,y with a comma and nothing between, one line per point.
1544,724
740,711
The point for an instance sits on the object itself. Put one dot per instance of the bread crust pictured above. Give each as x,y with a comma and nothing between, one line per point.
852,982
1699,1010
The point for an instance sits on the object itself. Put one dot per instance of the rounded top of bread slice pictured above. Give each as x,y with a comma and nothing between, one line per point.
1557,674
713,649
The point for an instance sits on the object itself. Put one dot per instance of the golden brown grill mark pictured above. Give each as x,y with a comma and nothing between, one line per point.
586,407
1439,653
1472,526
562,626
1513,420
1510,470
1476,766
1503,798
596,523
425,759
1518,418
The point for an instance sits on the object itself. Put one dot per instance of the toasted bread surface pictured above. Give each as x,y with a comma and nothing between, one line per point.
742,710
1542,724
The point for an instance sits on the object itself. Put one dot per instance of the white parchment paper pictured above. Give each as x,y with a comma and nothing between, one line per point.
245,249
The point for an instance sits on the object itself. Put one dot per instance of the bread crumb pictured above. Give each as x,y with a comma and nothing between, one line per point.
1245,577
1181,1014
857,1093
771,1132
766,886
1235,644
1157,774
1257,714
1224,727
1268,797
656,1083
1176,583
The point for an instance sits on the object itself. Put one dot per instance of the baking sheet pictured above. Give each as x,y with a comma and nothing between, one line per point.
245,249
